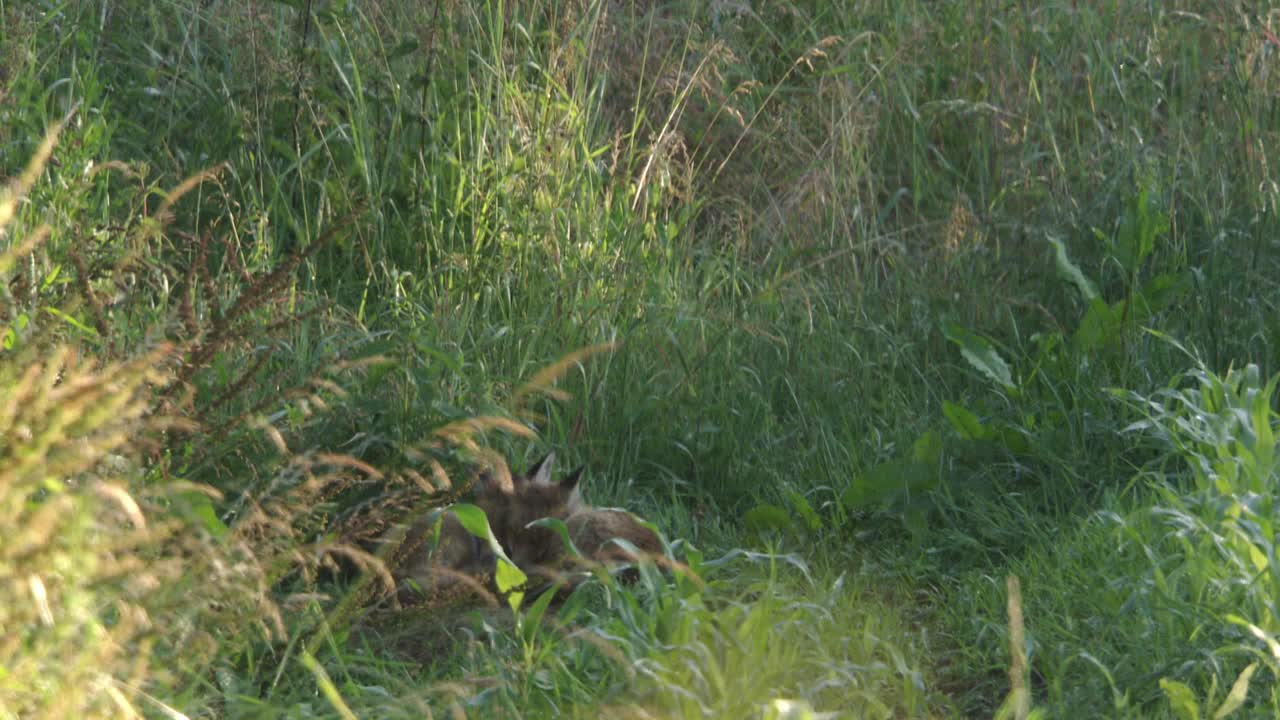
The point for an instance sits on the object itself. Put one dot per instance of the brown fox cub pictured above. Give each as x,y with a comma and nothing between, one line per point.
439,560
592,530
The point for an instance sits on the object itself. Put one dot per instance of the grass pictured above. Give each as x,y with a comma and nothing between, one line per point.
907,299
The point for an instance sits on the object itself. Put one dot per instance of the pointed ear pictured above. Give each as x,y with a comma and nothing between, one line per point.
541,473
575,502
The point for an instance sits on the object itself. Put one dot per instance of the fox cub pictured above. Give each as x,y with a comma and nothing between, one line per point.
441,561
592,530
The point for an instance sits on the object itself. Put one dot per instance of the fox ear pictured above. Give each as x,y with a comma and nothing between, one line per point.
541,473
570,483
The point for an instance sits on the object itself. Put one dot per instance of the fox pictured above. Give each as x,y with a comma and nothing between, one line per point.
443,562
439,561
591,530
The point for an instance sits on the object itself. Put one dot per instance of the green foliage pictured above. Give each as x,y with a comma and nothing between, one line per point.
1224,430
1140,225
981,354
767,517
1071,272
119,578
508,576
361,230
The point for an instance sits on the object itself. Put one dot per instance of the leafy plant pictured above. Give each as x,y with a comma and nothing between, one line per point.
1224,431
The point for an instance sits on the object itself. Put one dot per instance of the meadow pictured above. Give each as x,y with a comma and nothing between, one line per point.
939,340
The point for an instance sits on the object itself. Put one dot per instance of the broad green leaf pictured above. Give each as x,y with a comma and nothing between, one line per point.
888,480
920,478
1257,557
533,616
980,353
1100,325
1239,692
50,278
1181,699
1013,440
473,519
1264,437
927,449
508,577
200,507
13,332
1070,272
693,560
804,509
782,709
875,485
964,421
915,518
1142,223
1272,644
765,517
1164,290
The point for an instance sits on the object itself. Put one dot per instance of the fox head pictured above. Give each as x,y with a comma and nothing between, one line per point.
530,497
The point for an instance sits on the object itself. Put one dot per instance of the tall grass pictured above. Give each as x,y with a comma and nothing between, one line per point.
872,270
113,593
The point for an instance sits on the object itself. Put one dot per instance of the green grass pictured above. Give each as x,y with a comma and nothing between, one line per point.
889,284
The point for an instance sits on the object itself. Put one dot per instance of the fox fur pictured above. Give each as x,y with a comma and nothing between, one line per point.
444,563
592,530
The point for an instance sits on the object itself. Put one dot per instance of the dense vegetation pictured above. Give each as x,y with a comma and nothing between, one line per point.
938,338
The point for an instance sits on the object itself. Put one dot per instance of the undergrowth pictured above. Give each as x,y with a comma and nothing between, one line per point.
948,327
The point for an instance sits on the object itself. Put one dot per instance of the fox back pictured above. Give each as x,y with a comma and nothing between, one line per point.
594,531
